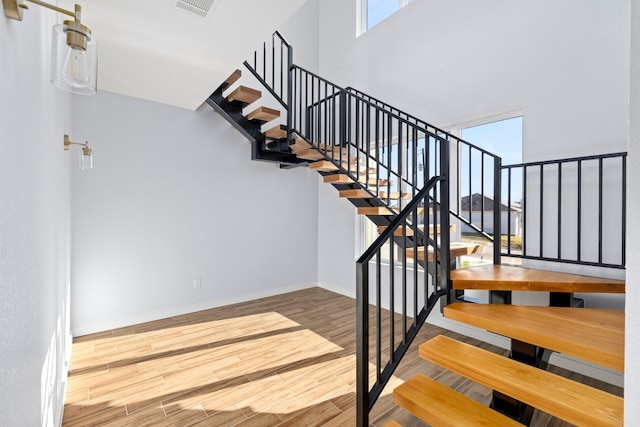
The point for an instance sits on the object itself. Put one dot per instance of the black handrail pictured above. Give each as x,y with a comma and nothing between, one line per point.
546,184
422,302
464,172
274,67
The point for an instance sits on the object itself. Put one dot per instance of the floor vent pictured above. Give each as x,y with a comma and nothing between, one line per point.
198,7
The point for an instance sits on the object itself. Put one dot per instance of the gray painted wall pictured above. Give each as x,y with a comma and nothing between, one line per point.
174,197
34,227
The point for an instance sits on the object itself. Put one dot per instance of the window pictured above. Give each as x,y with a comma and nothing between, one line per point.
503,138
372,12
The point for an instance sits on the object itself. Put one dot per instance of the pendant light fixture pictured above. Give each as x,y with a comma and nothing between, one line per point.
86,158
74,57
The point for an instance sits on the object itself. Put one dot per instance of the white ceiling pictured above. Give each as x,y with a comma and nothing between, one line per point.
153,50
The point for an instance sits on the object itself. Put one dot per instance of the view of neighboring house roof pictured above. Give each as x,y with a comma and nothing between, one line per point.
477,203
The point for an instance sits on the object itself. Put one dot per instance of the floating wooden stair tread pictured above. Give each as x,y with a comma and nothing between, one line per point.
323,166
233,78
392,424
338,178
394,195
440,406
592,334
263,114
309,154
245,95
563,398
356,194
398,231
379,183
374,210
455,250
509,278
275,132
300,145
353,169
336,149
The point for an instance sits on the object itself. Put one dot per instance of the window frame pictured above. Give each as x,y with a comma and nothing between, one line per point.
362,24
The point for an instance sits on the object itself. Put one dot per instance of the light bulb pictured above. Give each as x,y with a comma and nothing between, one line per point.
75,70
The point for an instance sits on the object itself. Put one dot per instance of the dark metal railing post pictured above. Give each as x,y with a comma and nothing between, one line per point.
343,120
445,235
290,77
497,207
362,345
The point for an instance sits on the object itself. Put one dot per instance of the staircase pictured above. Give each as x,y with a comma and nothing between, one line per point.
589,334
346,136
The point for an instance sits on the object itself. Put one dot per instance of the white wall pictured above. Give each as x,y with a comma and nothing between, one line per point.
34,226
174,197
302,31
632,336
564,65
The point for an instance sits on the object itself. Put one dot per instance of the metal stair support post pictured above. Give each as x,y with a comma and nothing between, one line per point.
498,297
290,77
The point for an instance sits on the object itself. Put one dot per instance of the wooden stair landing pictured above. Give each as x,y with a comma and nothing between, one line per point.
591,334
571,401
509,278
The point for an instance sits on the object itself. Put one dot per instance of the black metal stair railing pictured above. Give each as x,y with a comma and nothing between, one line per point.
394,299
379,151
475,174
573,210
270,65
390,156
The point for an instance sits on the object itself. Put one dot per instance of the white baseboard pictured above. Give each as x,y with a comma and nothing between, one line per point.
191,308
337,290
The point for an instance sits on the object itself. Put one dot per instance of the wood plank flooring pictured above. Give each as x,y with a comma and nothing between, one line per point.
287,360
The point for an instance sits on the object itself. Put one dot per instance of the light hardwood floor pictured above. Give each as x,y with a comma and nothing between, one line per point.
287,360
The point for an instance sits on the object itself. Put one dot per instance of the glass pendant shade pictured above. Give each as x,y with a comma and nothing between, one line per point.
86,158
74,58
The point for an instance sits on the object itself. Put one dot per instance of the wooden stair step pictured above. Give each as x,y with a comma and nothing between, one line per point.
244,95
300,145
456,249
394,195
510,278
358,193
379,183
323,166
563,398
309,154
353,169
592,334
392,424
336,149
409,231
372,182
234,77
276,132
440,406
374,210
263,114
338,178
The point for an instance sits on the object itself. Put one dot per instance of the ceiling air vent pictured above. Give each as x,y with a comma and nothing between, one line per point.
198,7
